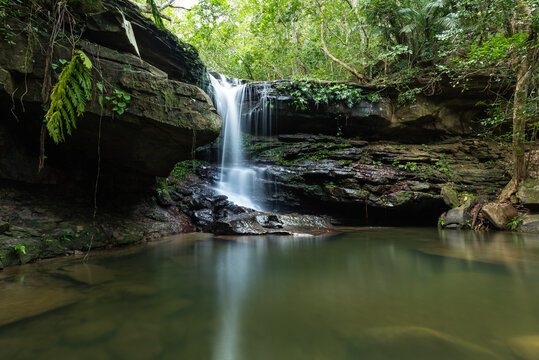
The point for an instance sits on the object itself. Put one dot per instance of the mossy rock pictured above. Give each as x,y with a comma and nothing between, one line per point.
529,193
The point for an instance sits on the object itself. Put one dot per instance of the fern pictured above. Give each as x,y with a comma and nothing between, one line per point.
69,96
155,14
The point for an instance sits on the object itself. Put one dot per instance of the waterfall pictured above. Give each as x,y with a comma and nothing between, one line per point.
245,110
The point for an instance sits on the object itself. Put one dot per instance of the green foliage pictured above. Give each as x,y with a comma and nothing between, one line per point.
514,223
69,96
156,14
67,237
120,101
20,249
494,50
184,168
8,10
441,222
304,92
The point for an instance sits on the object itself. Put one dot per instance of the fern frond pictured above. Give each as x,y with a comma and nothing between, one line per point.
155,14
69,96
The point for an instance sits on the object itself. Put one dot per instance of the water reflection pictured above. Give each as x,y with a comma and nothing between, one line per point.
518,252
238,268
364,294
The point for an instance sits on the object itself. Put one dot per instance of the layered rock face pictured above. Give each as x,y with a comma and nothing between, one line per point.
360,182
445,113
50,212
166,117
390,163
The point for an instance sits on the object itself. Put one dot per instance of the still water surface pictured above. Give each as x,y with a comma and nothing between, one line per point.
393,293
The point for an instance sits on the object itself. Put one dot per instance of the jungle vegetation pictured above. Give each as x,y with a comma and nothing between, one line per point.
384,42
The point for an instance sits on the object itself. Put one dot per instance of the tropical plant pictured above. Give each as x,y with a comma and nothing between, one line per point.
69,97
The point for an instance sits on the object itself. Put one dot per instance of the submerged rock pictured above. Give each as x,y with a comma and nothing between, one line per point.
137,340
88,273
525,347
263,223
19,302
414,342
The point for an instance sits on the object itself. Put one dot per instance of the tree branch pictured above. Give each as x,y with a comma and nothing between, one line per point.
147,10
360,77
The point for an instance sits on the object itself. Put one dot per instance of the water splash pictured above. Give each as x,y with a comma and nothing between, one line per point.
245,110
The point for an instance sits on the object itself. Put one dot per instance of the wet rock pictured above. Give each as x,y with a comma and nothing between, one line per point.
529,194
499,214
457,216
88,274
413,342
164,199
525,347
204,217
530,223
450,196
259,223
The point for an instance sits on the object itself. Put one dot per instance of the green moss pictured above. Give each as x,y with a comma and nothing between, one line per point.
169,99
404,196
184,168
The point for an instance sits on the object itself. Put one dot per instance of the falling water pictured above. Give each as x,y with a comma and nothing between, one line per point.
243,109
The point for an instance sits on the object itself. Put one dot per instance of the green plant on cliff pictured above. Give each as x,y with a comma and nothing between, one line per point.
19,249
514,223
303,92
69,97
120,100
184,168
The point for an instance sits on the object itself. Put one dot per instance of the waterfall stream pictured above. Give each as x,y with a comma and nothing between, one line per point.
245,110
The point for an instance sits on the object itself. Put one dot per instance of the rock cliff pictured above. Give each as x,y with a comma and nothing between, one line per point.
166,117
49,212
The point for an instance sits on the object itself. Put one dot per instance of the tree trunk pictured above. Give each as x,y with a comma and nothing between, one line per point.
524,78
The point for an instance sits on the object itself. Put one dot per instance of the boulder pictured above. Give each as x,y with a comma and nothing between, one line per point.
530,223
499,214
263,223
529,194
450,196
458,216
